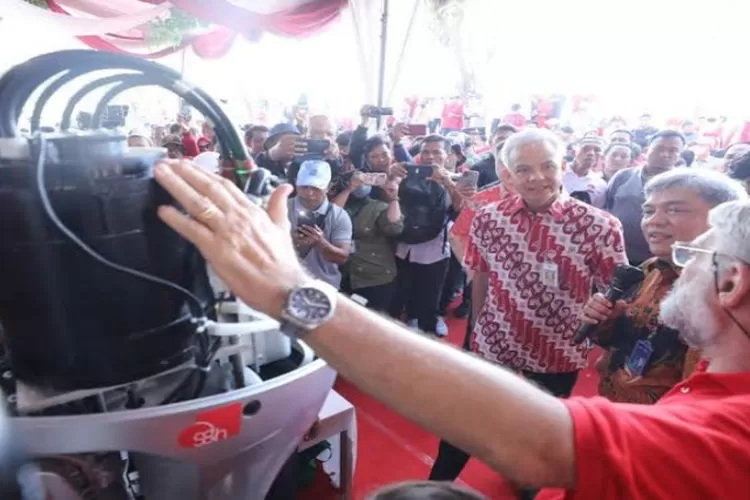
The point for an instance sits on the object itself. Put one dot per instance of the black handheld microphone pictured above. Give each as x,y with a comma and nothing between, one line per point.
625,277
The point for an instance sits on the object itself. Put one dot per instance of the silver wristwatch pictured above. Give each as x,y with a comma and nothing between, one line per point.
307,307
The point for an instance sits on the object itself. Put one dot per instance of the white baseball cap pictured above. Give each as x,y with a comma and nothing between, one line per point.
314,173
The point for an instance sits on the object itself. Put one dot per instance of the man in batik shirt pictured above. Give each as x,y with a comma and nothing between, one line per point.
536,254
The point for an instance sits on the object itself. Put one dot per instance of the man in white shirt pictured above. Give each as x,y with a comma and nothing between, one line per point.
580,180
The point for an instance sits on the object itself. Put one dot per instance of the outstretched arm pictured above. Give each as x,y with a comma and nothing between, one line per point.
522,432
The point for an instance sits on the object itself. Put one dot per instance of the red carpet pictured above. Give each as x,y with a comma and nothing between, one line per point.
392,449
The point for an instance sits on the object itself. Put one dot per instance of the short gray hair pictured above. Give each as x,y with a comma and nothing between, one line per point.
509,152
713,187
731,223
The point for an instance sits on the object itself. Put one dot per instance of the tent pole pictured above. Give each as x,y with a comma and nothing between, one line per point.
383,38
183,67
400,59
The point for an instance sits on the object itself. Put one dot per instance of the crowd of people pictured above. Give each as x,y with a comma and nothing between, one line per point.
527,227
395,244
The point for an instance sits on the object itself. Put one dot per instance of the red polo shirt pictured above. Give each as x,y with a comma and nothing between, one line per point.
693,444
453,115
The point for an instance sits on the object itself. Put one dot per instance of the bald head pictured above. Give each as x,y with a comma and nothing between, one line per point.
321,128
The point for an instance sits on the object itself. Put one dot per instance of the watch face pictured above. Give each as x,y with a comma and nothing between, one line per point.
309,305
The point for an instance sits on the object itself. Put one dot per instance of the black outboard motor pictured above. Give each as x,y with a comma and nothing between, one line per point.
99,326
103,309
94,290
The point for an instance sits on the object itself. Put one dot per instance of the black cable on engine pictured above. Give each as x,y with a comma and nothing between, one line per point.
17,85
131,80
80,94
47,93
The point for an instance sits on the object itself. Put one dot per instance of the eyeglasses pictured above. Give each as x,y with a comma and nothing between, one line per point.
683,252
681,255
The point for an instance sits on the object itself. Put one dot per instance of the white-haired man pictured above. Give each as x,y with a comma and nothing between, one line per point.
692,444
535,255
643,358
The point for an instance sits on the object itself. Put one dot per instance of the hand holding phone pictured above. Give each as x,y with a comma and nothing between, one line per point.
466,185
441,175
310,235
398,132
300,147
399,170
285,149
468,179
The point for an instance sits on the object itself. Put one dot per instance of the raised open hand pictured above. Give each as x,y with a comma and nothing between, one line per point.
250,249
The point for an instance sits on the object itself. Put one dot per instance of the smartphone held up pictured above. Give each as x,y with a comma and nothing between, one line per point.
376,111
415,129
374,178
311,149
468,179
306,218
415,171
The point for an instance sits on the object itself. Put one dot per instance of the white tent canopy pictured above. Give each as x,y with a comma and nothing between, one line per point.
670,56
667,56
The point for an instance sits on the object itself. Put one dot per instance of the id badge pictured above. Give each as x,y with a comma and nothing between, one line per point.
639,358
549,274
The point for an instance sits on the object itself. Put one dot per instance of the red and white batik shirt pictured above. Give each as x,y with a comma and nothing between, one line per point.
541,268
